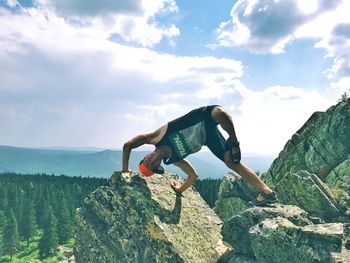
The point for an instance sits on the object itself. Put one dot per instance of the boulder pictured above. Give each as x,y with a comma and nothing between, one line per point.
233,197
283,233
307,191
340,176
319,146
279,240
228,207
138,219
235,231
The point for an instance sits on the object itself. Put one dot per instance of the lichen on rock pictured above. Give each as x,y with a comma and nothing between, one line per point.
307,191
138,219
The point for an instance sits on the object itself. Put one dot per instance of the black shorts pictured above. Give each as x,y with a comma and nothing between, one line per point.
215,141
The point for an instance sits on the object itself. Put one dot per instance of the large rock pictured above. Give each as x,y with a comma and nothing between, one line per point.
233,197
322,144
279,240
137,219
307,191
340,175
236,230
283,233
322,148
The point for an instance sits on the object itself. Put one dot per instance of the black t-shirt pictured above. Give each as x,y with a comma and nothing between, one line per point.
187,134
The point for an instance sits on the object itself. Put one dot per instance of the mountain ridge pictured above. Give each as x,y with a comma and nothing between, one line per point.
102,163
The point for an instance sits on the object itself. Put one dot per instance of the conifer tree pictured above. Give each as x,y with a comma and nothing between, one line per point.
41,210
10,235
2,225
49,241
28,220
64,226
3,198
2,221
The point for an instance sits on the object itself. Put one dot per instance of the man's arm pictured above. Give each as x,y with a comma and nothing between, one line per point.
145,138
187,168
132,144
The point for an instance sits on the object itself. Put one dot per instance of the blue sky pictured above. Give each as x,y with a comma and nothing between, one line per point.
94,74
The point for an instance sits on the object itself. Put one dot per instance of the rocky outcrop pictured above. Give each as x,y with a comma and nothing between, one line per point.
138,219
236,229
313,169
307,191
302,189
282,233
279,240
233,197
321,146
311,179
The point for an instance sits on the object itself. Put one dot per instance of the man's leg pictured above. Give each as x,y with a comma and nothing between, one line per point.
248,175
225,121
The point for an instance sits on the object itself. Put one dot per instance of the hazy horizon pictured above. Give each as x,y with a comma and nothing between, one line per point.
140,149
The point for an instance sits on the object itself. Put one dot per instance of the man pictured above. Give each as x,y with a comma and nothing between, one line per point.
186,135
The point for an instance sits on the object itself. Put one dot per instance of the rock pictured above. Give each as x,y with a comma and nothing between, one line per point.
318,152
344,255
233,257
228,207
279,240
138,219
233,185
307,191
235,231
340,175
319,146
234,194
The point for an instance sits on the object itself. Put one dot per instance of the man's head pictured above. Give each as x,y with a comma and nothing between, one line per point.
150,164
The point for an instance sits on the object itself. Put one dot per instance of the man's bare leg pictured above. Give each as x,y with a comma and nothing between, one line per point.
247,174
225,121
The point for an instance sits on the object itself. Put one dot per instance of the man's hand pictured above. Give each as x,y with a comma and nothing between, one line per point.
127,170
176,186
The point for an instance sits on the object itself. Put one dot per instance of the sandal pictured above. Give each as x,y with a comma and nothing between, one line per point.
268,199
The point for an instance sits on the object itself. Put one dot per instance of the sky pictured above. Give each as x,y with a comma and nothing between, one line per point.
78,73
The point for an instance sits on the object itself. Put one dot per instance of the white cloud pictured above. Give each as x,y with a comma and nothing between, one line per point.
308,7
69,85
81,8
130,21
337,44
270,117
268,25
331,29
11,3
341,86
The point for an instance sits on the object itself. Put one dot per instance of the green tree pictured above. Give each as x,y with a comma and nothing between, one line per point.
41,210
64,226
3,198
49,241
28,220
2,224
10,235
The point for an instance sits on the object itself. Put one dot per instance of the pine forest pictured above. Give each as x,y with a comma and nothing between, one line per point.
37,213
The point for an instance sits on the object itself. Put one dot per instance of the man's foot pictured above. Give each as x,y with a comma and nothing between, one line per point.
264,199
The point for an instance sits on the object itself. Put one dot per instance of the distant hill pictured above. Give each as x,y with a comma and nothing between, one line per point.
102,163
